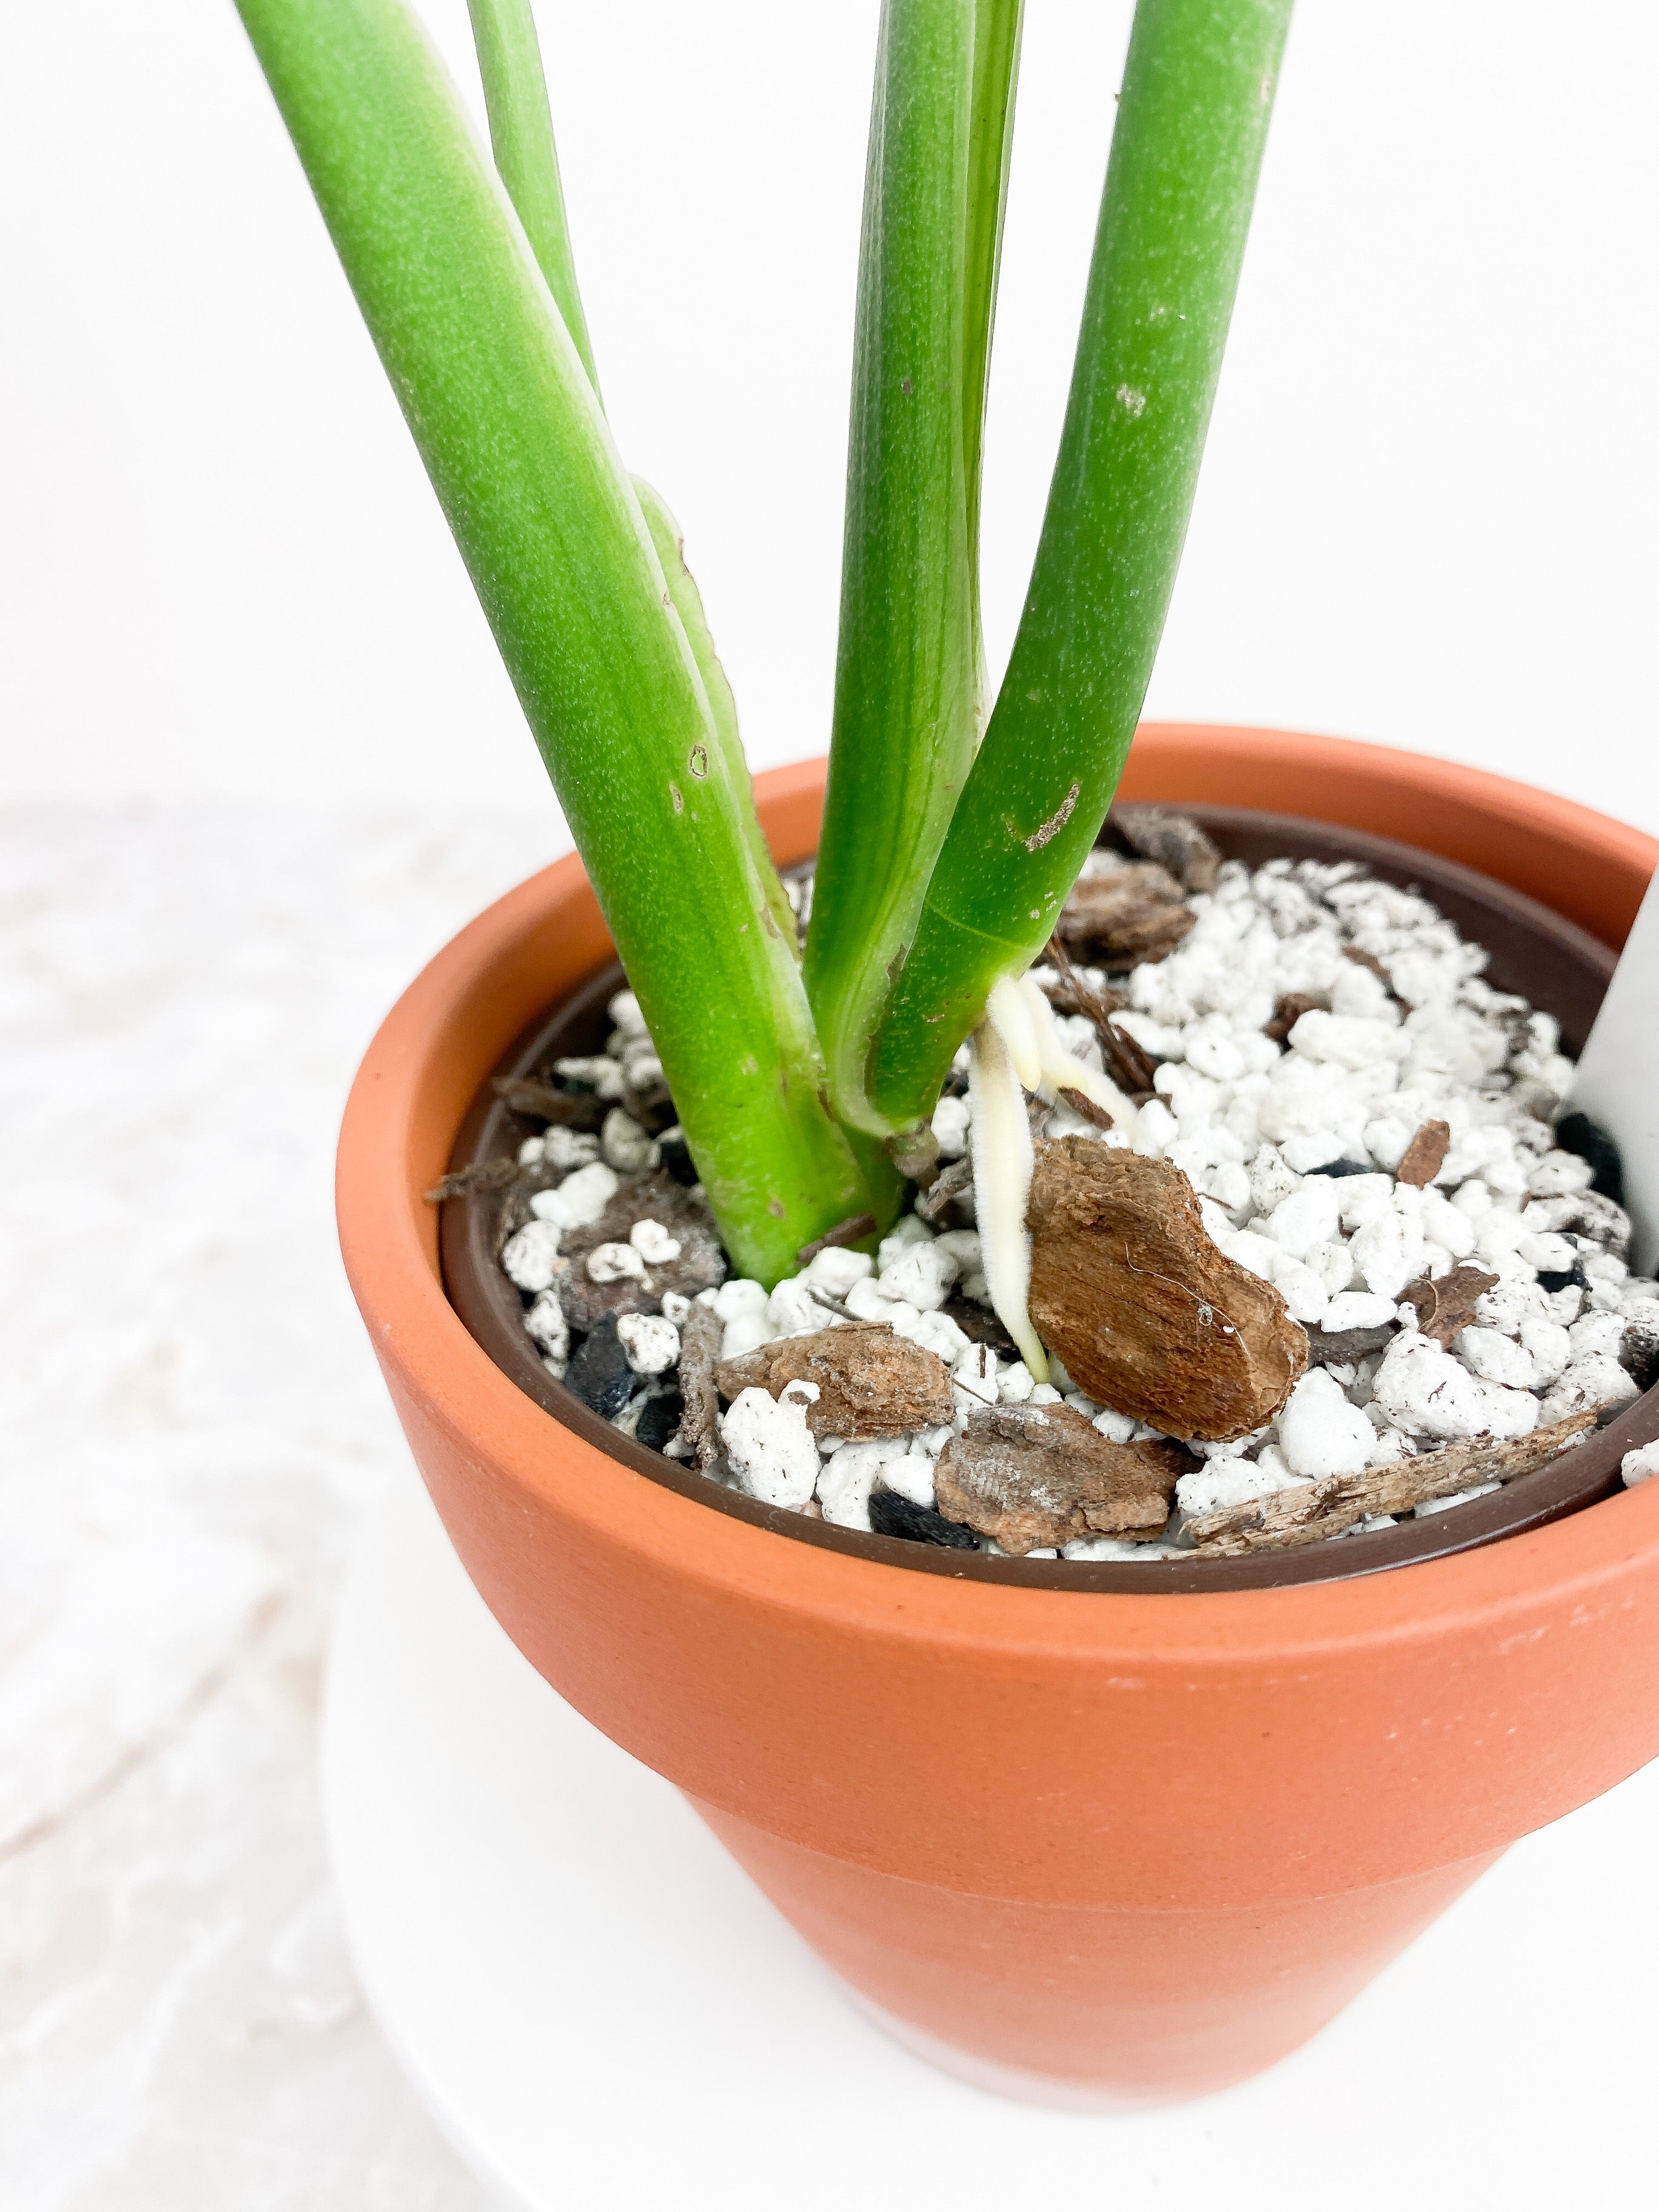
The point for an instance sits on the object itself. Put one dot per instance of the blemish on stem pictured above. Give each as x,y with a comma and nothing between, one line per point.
679,802
698,762
1052,827
1131,401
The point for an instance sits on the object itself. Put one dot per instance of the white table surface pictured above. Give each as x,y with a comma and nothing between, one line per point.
192,1428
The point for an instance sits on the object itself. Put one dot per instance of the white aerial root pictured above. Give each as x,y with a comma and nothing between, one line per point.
1001,1139
1061,1071
1015,1049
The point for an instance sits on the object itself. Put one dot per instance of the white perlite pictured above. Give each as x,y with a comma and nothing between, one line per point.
651,1343
1291,1150
769,1447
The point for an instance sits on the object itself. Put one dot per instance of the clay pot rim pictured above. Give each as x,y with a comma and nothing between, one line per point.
394,1142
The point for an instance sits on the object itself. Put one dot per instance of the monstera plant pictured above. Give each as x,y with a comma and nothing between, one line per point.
956,820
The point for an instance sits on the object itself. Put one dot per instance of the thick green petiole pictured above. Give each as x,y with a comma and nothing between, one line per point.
722,702
521,139
509,427
908,685
997,24
1186,153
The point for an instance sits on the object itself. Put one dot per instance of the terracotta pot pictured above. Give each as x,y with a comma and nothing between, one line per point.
1100,1848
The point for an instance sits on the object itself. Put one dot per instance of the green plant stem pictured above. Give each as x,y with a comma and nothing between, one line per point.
906,680
506,421
521,139
722,700
997,26
1186,154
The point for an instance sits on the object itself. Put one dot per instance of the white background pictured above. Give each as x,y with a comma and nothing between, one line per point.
1426,516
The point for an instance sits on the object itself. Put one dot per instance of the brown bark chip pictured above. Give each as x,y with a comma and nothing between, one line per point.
1042,1475
979,1325
1425,1155
1347,1346
652,1195
480,1175
1149,1317
1447,1305
1289,1011
700,1350
870,1382
1135,911
571,1109
1174,839
1290,1518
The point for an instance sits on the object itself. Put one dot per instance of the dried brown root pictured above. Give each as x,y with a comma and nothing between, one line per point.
950,1183
853,1230
1127,1064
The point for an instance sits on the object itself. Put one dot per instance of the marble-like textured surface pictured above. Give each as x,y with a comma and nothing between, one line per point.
192,1426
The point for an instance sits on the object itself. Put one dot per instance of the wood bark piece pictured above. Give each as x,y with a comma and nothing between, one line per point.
1030,1475
872,1383
979,1324
700,1333
479,1176
1314,1510
1288,1011
1347,1346
1176,840
652,1195
1136,912
571,1109
1149,1316
1447,1305
1425,1155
